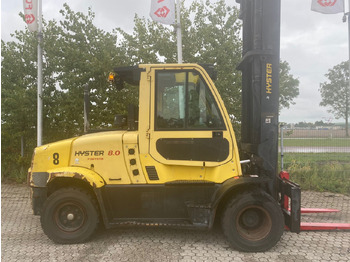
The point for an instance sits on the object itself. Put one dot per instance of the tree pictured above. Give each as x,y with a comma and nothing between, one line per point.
77,53
18,101
304,124
84,55
288,86
210,34
335,92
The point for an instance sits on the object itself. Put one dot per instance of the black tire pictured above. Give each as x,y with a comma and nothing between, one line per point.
253,222
69,216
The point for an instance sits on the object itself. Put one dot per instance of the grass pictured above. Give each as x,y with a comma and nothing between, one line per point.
321,142
307,158
320,171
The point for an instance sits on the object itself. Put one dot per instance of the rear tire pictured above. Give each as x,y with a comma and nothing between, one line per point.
253,222
69,216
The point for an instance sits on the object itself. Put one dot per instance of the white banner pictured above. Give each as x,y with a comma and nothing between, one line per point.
328,6
31,14
163,11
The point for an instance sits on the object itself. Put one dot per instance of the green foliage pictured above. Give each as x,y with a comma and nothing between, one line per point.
319,142
331,176
18,101
319,171
84,55
305,124
316,157
288,86
77,53
335,92
210,34
289,133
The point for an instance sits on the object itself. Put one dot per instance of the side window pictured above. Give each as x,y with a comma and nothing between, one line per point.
170,101
184,101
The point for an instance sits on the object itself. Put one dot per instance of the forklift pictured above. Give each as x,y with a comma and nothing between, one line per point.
174,159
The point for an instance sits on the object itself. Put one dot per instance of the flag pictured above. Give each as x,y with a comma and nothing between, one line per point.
328,6
31,14
163,11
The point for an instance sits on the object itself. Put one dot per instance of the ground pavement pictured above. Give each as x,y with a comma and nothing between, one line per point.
23,240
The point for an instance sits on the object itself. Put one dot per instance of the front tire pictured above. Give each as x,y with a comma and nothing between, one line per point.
253,222
69,216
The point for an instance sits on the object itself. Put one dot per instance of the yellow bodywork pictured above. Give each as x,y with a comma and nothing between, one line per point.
173,170
51,156
121,157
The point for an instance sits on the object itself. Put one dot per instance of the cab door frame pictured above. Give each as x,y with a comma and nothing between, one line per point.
185,137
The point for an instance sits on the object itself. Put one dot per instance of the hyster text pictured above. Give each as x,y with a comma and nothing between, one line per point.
89,153
268,78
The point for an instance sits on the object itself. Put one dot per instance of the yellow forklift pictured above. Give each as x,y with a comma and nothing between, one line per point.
174,159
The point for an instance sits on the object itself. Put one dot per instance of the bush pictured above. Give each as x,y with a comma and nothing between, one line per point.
16,170
332,176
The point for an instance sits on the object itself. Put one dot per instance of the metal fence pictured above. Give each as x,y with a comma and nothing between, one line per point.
314,140
319,143
317,154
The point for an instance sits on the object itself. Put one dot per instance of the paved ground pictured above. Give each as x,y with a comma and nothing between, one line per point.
23,240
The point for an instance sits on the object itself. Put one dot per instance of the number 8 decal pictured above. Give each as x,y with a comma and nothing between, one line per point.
56,157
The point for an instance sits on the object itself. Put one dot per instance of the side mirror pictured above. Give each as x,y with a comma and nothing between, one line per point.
116,81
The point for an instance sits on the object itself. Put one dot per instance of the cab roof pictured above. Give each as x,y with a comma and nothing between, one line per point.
132,74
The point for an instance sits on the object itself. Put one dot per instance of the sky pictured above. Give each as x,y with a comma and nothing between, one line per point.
312,43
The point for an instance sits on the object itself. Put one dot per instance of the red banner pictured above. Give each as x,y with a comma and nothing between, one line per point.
328,6
163,11
31,14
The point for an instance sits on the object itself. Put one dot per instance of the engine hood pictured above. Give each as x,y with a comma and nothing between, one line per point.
79,151
96,147
98,151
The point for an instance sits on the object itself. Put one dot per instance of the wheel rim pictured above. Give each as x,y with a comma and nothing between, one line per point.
70,216
253,223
